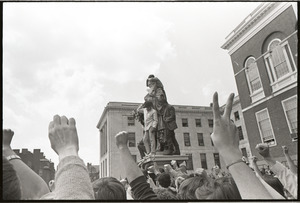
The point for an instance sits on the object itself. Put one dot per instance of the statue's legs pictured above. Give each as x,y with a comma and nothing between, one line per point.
146,140
152,140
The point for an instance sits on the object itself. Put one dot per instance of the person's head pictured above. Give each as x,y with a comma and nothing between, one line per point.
218,189
164,194
161,170
188,187
148,105
148,79
164,180
10,182
109,188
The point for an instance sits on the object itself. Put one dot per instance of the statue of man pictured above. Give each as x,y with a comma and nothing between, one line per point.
169,119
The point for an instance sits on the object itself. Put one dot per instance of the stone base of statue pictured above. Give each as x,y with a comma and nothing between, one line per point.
161,160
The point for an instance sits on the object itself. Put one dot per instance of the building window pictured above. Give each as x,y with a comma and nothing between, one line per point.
203,160
236,116
198,122
241,136
189,162
290,111
200,139
212,143
131,121
185,122
217,159
244,152
265,127
211,123
186,137
252,74
280,64
131,139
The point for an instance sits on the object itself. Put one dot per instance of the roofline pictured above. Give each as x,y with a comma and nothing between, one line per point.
253,17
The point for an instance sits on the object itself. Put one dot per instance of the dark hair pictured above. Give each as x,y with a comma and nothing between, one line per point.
188,187
274,183
164,194
10,182
109,188
161,170
164,179
220,188
151,76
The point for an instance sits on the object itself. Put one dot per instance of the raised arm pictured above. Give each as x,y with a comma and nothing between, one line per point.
288,179
253,163
225,139
72,180
32,185
290,162
140,188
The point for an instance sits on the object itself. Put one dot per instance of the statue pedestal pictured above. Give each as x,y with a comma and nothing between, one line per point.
161,160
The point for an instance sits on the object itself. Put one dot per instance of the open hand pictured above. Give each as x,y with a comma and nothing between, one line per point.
121,139
263,150
63,136
7,135
224,136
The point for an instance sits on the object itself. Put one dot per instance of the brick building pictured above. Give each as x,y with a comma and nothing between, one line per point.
38,163
263,51
195,124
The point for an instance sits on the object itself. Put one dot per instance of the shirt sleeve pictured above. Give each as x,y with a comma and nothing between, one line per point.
155,119
288,179
141,190
72,180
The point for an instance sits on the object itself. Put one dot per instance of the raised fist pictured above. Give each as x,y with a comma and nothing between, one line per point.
263,149
7,135
121,139
63,136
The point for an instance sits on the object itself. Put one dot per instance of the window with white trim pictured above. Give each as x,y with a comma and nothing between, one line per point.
252,74
280,64
290,111
265,127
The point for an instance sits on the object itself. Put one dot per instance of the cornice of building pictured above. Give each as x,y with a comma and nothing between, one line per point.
245,25
253,23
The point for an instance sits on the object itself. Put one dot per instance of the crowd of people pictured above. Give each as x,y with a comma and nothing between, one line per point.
170,182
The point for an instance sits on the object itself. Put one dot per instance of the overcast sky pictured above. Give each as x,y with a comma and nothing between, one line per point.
73,58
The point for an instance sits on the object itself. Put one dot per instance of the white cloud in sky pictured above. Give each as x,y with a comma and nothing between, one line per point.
73,58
